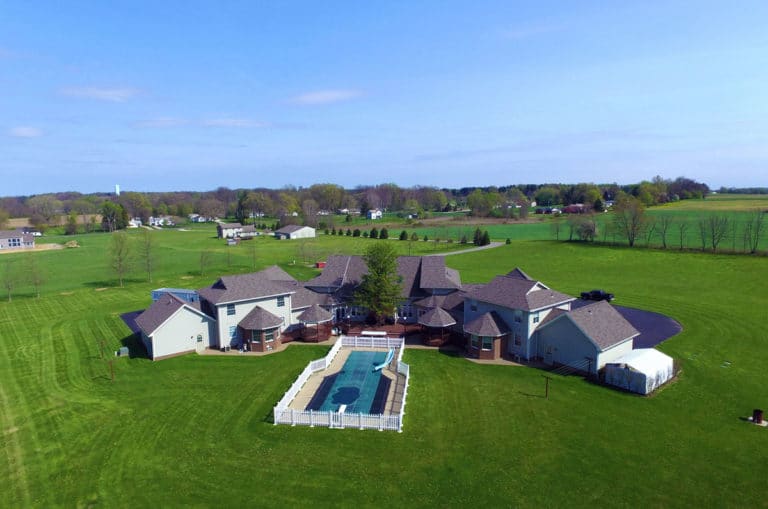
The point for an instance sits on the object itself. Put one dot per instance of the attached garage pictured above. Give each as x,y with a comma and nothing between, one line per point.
586,338
642,371
171,327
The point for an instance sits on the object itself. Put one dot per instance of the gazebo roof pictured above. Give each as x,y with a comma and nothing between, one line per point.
437,317
315,314
487,324
260,319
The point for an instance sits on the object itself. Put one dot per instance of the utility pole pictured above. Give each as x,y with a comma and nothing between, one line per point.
546,387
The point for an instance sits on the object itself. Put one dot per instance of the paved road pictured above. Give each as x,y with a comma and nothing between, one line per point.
469,250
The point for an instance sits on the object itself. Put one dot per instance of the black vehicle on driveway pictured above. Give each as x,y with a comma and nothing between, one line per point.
597,295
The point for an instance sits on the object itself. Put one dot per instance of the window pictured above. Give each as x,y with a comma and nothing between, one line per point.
230,309
518,340
280,302
536,317
487,343
233,332
475,341
269,335
518,316
14,242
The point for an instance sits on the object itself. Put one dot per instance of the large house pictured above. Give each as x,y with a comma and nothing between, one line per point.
229,230
16,239
512,316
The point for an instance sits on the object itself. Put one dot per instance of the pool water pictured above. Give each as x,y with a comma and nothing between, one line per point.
357,385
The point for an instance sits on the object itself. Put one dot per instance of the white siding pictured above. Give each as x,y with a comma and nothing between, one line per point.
243,308
179,333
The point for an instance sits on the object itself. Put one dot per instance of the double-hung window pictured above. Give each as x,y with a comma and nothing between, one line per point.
280,302
230,309
487,343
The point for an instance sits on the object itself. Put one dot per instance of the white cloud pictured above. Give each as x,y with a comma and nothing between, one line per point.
167,122
25,132
119,94
326,96
232,122
164,122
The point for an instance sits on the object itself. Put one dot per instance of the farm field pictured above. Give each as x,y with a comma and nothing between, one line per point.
196,430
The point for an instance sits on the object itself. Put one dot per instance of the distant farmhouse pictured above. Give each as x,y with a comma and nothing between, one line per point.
229,230
293,231
16,239
374,214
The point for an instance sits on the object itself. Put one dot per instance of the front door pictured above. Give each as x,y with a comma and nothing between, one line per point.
199,343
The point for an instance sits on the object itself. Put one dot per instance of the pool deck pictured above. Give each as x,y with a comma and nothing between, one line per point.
396,389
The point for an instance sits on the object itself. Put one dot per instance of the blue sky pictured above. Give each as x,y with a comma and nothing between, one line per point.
159,96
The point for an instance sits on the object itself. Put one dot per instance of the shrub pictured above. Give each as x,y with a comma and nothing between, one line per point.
403,235
383,234
356,233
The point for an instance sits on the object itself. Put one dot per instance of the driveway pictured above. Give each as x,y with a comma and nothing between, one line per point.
654,327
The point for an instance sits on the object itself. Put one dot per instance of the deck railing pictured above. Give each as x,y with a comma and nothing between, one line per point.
394,422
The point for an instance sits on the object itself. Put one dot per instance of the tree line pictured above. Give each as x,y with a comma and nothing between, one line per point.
310,204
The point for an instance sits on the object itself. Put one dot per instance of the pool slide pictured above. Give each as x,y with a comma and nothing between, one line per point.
386,362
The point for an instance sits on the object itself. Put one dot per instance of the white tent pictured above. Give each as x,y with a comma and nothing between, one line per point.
642,370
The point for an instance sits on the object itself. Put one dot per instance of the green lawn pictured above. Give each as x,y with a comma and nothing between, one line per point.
196,431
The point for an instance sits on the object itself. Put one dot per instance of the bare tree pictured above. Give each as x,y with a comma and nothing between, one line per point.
682,230
557,225
650,228
35,273
120,255
253,252
10,277
754,230
205,260
629,217
664,224
717,230
147,252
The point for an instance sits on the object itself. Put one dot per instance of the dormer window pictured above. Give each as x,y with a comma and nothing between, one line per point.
230,309
280,302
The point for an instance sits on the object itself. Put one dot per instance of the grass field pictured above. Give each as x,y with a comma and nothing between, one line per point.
196,431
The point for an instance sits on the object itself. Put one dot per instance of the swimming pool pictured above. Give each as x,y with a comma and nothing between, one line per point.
357,385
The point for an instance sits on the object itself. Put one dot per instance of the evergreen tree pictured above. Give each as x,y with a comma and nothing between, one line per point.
485,239
384,234
374,233
403,235
379,290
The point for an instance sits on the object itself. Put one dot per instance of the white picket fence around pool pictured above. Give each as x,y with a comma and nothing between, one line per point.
340,420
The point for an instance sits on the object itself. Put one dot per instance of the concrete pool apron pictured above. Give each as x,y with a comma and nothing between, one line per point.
396,388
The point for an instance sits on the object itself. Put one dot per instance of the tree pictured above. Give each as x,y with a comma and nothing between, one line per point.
682,231
147,252
113,216
403,235
10,276
478,237
664,224
753,230
205,260
629,217
4,217
379,290
485,239
717,230
35,274
384,234
374,233
71,227
120,255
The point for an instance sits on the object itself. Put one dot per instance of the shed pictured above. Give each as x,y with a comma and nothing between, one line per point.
642,371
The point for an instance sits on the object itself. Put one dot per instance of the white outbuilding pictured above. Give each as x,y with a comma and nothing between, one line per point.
642,371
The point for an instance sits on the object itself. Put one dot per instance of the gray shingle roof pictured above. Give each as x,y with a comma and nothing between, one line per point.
160,311
518,273
437,317
13,234
229,225
249,286
315,314
290,228
603,324
418,274
434,274
260,319
514,292
488,324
